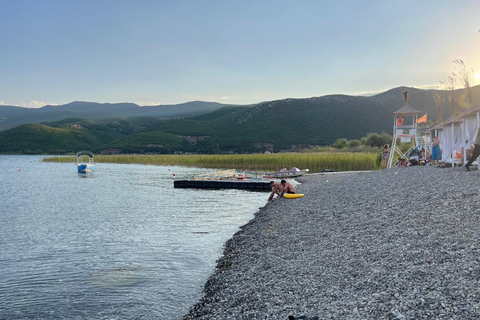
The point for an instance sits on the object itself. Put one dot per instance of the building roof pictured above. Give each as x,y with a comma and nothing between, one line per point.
438,126
406,111
470,112
452,119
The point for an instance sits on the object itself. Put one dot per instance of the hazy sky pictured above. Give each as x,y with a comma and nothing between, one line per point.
162,52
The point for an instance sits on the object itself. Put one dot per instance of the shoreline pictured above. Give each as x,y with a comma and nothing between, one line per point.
400,244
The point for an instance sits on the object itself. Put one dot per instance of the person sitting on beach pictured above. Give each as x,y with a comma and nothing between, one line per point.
287,187
277,188
401,162
423,157
429,157
414,157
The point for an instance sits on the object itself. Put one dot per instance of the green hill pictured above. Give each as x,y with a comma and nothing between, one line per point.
69,135
11,116
42,138
282,125
270,126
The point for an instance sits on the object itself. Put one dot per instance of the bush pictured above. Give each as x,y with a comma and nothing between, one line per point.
377,140
340,143
354,143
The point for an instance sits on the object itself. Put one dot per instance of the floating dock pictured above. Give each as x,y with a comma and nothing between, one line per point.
218,184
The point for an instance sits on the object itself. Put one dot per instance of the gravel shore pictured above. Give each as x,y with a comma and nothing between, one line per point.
400,244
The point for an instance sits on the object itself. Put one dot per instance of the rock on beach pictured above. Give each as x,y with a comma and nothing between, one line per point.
400,244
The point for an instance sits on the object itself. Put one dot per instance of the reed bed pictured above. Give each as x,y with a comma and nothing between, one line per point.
316,162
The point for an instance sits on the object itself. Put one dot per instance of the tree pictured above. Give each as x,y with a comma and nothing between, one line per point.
465,77
377,140
340,143
354,143
438,102
449,85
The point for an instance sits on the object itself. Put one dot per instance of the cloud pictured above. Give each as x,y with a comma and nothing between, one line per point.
367,93
31,104
429,86
34,104
148,103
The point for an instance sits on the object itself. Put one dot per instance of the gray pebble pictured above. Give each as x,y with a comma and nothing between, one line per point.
356,247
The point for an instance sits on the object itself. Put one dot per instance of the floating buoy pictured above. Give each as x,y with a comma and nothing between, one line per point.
19,170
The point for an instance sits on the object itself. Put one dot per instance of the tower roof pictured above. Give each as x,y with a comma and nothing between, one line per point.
406,111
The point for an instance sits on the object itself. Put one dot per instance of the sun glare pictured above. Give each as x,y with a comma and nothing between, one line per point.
477,76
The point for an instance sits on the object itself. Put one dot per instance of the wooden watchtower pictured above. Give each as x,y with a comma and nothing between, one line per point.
403,129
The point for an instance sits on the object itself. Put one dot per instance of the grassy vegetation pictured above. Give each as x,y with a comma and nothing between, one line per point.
316,162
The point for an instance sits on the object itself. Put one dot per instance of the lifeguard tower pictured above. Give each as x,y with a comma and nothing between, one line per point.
403,130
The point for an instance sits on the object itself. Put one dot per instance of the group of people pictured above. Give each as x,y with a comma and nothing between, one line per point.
417,156
281,188
414,157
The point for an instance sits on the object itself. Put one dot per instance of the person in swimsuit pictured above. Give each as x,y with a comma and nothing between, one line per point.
276,189
287,187
385,155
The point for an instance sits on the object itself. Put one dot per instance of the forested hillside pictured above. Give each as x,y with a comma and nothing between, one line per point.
11,116
69,135
271,126
274,126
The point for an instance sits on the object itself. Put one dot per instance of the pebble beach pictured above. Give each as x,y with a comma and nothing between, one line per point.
399,244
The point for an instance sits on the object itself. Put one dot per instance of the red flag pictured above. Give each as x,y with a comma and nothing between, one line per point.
422,119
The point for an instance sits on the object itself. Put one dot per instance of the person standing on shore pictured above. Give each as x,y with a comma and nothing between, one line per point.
385,154
476,151
435,150
277,188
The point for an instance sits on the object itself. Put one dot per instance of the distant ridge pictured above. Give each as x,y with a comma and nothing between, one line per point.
11,116
422,99
206,127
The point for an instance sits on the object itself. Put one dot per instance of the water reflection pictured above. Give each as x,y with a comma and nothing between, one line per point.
130,246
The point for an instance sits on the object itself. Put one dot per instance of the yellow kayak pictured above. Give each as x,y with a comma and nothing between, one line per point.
292,195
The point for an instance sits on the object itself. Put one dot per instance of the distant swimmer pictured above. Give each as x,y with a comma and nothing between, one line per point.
276,189
287,187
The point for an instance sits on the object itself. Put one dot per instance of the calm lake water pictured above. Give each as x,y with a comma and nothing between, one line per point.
118,244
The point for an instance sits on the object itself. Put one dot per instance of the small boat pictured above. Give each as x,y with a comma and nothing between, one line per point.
219,175
84,166
231,174
284,173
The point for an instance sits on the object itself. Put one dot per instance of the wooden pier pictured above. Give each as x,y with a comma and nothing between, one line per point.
219,184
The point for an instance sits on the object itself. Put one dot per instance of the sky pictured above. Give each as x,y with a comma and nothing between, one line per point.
154,52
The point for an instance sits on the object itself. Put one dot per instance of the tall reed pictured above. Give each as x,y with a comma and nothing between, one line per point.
316,162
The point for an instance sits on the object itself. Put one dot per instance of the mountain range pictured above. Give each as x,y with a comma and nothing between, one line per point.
204,127
11,116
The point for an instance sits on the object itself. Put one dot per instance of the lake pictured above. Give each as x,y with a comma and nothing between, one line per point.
120,243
